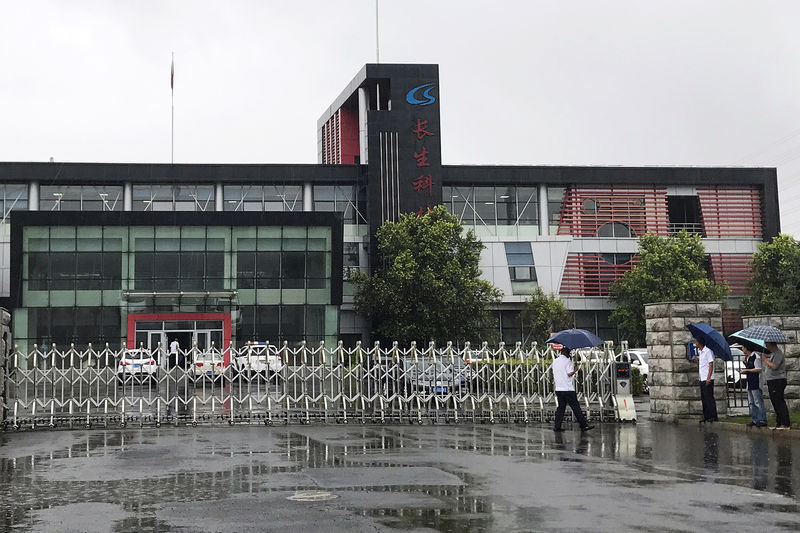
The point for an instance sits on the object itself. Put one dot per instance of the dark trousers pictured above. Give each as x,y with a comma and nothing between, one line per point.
709,404
571,398
776,388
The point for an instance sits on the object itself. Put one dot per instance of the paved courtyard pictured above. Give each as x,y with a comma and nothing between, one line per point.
650,477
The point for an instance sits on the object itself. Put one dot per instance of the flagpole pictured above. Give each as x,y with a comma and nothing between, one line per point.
377,41
172,97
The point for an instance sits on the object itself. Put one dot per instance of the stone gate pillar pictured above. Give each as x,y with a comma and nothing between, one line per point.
673,380
790,325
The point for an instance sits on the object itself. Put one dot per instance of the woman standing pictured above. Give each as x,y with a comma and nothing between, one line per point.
776,383
755,398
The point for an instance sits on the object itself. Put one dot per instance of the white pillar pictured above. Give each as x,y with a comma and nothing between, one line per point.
33,196
544,222
127,196
308,197
363,106
218,203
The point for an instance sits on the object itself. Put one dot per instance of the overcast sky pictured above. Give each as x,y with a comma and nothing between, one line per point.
556,83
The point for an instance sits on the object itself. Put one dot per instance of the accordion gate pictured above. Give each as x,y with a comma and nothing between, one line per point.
71,388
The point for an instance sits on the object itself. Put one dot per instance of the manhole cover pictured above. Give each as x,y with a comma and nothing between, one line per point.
312,496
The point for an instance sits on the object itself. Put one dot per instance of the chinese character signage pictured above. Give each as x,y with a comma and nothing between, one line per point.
420,159
405,161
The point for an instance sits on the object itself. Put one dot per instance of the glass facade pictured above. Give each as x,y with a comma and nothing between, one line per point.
173,198
263,198
350,200
555,199
521,268
14,196
80,283
488,209
80,198
599,323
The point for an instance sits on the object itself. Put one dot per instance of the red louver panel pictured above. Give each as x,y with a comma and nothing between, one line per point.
340,138
348,136
731,321
591,274
735,270
587,209
731,212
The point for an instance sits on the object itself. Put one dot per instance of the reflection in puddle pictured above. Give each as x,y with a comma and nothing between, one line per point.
144,472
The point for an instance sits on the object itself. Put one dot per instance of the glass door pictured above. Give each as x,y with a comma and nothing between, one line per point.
155,343
202,338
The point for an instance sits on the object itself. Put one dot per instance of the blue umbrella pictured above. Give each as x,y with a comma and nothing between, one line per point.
711,338
575,338
754,345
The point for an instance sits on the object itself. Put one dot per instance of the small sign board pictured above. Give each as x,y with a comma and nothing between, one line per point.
691,350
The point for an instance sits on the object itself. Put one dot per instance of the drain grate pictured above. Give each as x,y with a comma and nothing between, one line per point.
312,496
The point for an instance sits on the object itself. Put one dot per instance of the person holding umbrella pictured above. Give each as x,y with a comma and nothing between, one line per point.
755,398
775,375
711,344
753,348
705,359
564,370
775,371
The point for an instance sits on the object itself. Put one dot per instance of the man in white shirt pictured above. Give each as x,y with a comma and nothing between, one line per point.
706,373
563,370
174,353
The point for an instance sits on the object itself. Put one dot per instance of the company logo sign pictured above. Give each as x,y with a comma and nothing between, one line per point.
413,96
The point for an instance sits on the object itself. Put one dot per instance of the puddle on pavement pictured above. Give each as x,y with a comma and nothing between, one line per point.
279,466
27,502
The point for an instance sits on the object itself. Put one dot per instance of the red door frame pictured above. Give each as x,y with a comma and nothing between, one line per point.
153,317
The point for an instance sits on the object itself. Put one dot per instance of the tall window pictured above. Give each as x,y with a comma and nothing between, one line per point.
173,262
350,200
263,198
490,206
520,267
173,197
68,264
555,199
80,198
13,196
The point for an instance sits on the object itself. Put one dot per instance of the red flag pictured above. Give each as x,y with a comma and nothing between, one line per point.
172,74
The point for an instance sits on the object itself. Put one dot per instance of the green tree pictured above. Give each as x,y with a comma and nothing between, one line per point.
669,269
775,285
544,314
427,285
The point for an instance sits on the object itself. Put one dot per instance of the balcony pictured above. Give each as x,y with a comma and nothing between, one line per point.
689,227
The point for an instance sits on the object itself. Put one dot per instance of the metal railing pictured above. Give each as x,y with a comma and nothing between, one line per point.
689,227
269,384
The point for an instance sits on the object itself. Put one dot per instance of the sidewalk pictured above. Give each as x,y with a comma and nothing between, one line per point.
742,428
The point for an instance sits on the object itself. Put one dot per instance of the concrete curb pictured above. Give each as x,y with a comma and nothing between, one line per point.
741,428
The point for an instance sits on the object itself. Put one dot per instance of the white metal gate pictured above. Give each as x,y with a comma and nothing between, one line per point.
268,384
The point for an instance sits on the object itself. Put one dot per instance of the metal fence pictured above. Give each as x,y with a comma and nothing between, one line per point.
270,384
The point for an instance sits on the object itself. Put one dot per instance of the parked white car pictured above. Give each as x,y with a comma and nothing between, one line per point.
638,359
441,377
136,365
733,376
255,359
208,365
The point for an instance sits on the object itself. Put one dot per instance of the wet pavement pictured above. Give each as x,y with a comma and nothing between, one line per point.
651,477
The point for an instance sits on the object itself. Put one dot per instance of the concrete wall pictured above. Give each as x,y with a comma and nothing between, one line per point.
790,325
674,381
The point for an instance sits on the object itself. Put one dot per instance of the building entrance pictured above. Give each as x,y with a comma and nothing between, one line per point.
156,332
